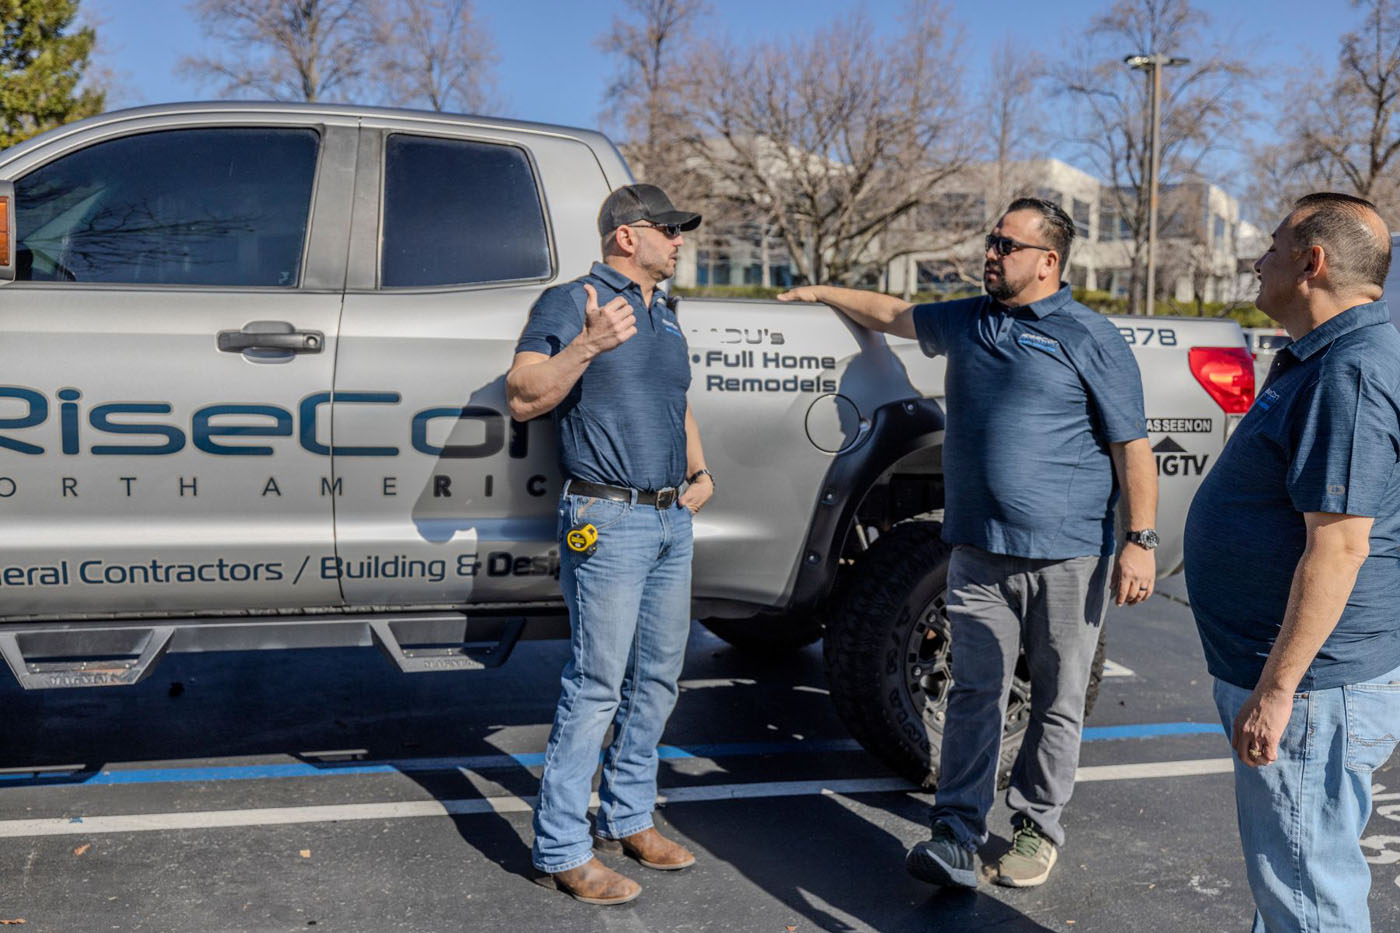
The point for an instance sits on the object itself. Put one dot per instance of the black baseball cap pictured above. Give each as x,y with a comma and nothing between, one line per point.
632,203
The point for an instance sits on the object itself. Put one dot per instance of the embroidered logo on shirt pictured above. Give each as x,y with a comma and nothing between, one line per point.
672,326
1336,489
1040,342
1267,400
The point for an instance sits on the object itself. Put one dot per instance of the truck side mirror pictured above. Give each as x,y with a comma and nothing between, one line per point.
7,231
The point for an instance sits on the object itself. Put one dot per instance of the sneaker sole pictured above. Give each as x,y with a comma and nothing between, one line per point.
926,866
1031,882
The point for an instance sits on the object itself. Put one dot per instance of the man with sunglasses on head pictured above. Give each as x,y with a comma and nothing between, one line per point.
605,356
1045,428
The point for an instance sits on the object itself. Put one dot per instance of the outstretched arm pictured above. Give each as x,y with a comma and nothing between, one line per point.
877,311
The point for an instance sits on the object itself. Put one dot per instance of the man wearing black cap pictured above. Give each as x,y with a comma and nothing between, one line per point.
605,355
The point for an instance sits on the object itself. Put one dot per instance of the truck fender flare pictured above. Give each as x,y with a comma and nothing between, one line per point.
896,430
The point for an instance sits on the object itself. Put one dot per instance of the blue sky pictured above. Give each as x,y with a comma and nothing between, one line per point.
550,70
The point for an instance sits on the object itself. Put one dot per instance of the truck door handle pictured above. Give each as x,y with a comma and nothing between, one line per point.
277,336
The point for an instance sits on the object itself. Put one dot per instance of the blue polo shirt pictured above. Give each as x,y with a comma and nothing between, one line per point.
1035,395
623,423
1323,436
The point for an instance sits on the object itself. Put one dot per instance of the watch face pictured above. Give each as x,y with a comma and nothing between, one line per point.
1147,538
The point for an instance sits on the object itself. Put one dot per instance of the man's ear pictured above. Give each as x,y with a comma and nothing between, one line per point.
1317,262
626,238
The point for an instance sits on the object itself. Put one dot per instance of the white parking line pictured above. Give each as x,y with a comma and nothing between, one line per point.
282,816
1112,668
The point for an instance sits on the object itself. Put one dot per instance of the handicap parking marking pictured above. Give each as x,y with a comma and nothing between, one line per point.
505,804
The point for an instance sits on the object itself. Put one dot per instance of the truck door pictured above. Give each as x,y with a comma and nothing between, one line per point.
166,352
453,240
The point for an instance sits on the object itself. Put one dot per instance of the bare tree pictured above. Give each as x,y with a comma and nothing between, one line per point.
1110,109
652,43
436,54
828,141
1346,133
1014,126
307,50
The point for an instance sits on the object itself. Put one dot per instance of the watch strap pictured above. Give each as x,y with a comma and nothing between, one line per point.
699,473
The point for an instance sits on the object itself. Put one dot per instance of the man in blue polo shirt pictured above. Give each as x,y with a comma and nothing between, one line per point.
605,355
1293,568
1045,427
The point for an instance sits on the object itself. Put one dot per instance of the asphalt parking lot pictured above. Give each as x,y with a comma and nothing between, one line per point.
324,790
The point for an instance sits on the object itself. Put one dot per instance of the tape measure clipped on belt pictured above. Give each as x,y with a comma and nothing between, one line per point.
582,539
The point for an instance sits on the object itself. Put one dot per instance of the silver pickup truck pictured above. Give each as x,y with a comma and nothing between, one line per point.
252,365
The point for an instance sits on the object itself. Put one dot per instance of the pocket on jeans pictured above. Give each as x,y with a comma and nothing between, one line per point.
600,513
1373,724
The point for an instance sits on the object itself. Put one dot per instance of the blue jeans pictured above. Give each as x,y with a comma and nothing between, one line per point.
629,609
1301,817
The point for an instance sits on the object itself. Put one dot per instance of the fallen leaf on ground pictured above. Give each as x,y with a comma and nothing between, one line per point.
306,853
10,923
82,848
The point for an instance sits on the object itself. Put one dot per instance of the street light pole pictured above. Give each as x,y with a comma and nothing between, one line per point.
1153,65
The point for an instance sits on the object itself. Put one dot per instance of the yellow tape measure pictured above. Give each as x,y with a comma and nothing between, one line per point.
583,539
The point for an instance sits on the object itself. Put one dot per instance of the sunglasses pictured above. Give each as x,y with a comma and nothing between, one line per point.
670,231
1005,246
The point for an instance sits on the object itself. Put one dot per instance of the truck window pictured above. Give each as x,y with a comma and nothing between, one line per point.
460,213
180,207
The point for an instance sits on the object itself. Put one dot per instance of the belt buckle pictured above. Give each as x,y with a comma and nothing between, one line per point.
665,498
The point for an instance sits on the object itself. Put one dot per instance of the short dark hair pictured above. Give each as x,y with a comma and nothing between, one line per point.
1054,222
1356,254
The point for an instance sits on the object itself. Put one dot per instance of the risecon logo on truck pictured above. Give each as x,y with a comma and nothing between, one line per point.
113,428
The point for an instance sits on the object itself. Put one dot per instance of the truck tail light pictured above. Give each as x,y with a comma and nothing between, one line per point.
5,226
1227,373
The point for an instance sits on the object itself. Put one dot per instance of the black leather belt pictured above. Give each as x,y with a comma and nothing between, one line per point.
661,498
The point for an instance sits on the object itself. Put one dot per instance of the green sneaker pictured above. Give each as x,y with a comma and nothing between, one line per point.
1029,861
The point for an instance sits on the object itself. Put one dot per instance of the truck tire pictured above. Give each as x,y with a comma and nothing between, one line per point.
770,635
887,657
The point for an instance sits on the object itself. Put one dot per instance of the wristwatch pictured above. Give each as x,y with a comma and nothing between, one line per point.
699,473
1147,538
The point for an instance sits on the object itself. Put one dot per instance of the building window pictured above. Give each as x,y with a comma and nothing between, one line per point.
711,267
955,210
1080,214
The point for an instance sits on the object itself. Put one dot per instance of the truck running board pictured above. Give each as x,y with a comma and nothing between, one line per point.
94,659
112,653
416,647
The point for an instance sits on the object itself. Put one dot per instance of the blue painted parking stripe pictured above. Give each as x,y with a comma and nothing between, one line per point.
263,772
1151,730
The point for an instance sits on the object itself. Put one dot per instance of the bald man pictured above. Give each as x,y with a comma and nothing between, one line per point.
1305,645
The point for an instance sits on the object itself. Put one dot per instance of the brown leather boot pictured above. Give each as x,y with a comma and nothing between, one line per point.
650,848
593,883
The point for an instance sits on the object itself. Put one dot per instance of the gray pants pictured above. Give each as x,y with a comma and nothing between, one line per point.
996,603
